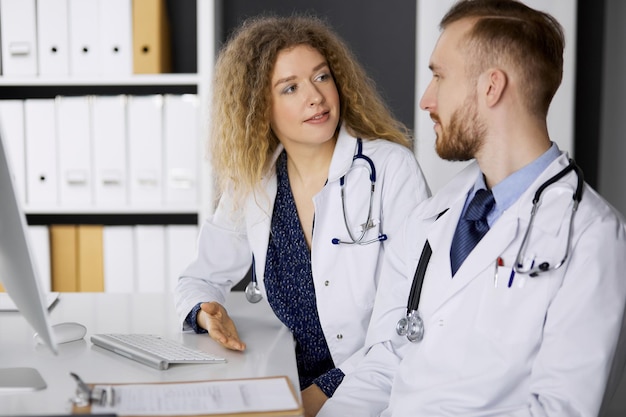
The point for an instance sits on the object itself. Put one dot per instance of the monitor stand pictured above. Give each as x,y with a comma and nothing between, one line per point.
20,379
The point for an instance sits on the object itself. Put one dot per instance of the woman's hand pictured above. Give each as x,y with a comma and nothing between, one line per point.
214,318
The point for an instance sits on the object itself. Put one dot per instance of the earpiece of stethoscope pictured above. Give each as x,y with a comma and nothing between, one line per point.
381,238
252,291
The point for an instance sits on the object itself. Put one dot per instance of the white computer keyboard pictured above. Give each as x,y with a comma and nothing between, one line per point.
153,350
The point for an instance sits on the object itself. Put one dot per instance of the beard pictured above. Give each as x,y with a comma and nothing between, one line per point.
464,136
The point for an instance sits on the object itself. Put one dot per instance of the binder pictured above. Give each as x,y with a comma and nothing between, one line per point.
115,37
63,260
12,126
18,37
119,259
40,244
41,151
181,244
149,258
52,38
151,37
83,37
109,150
90,263
74,151
181,149
145,150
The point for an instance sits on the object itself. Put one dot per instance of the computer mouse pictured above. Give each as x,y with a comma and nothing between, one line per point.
66,332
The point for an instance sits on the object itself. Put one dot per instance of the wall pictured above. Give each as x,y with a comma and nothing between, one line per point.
612,170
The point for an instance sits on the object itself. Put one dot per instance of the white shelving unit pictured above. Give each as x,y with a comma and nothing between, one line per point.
198,82
152,241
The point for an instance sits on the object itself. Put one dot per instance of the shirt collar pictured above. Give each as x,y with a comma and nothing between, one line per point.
508,191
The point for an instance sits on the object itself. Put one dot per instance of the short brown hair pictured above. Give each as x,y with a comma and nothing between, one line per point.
509,32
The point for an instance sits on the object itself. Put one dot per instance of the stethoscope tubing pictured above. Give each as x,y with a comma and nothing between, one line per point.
576,197
252,291
353,239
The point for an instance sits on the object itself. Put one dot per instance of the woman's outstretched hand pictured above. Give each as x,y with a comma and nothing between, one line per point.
214,318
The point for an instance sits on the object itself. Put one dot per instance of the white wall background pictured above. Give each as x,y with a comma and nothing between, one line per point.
560,117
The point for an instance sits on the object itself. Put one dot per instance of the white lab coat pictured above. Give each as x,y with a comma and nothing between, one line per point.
345,276
543,347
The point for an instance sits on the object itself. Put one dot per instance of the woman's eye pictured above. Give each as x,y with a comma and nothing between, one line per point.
290,89
322,77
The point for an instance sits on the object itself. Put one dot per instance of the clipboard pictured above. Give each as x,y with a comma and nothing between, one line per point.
297,411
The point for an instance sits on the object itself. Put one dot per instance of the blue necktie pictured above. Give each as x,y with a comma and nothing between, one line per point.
471,228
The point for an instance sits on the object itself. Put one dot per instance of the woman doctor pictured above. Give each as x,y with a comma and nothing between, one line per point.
299,140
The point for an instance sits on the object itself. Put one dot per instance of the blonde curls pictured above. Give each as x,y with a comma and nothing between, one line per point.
241,140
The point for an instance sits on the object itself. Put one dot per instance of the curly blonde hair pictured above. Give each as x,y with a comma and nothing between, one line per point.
241,140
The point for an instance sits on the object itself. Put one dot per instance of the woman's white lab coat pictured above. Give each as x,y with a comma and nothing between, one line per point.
345,276
543,346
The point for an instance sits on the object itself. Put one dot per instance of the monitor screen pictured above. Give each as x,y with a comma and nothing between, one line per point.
18,273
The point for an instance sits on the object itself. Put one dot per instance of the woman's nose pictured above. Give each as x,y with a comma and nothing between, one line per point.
315,96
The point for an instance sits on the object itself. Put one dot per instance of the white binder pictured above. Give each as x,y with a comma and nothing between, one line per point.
150,258
180,247
74,151
119,259
181,150
109,150
41,151
145,147
12,126
83,35
18,37
115,37
52,38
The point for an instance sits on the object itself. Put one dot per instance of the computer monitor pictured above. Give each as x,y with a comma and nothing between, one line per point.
19,276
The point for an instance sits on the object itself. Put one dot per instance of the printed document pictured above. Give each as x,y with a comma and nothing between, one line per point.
201,398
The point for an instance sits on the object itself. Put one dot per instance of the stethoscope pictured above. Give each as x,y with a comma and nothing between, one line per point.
357,239
252,291
412,325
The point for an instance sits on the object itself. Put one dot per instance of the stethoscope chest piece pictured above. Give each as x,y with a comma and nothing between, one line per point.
411,326
253,293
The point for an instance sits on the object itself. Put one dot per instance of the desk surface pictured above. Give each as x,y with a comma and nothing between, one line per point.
270,347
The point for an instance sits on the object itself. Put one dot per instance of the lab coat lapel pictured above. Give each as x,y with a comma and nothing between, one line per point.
439,286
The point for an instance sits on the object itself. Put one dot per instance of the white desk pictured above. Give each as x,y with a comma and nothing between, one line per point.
270,347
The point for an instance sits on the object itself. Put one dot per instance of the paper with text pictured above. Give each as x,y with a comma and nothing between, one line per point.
201,398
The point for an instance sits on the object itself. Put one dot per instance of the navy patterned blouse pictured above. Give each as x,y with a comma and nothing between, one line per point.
290,289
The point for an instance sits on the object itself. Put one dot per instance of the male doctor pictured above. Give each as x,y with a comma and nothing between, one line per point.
536,340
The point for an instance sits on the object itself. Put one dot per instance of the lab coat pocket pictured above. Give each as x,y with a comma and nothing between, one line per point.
512,308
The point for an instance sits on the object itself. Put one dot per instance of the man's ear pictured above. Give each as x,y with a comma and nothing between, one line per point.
495,83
